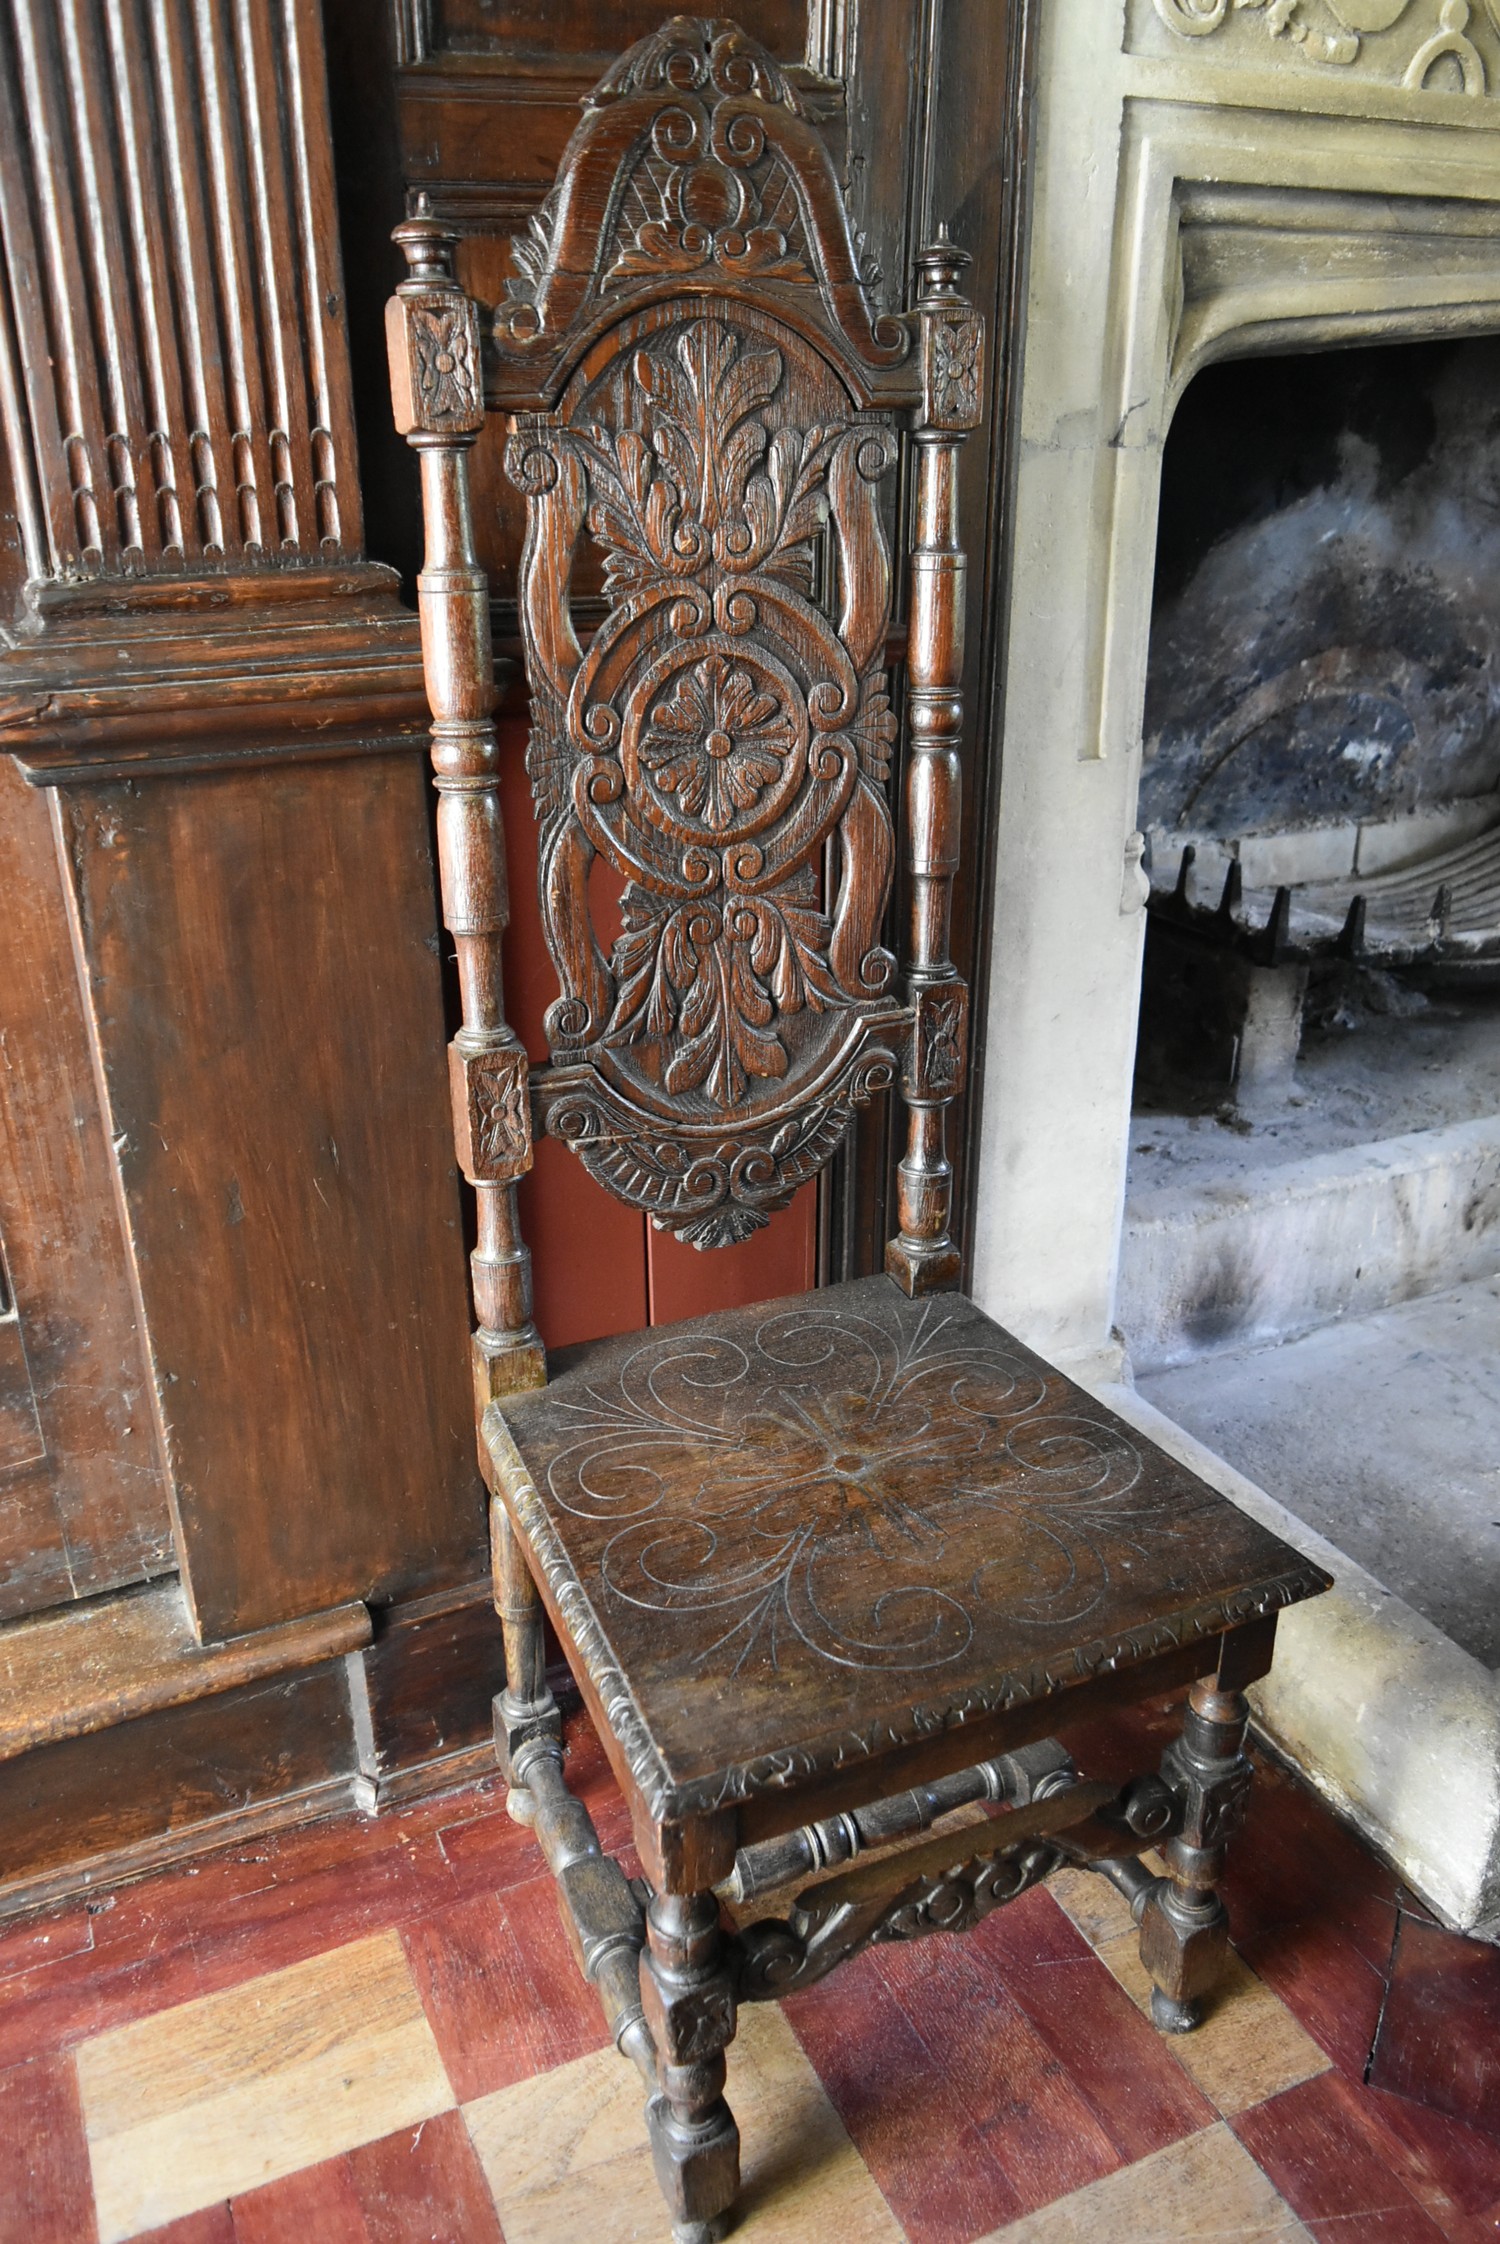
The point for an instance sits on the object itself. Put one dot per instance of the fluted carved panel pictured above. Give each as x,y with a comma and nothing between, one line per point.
173,371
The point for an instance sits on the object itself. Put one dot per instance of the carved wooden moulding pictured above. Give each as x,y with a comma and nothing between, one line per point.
710,773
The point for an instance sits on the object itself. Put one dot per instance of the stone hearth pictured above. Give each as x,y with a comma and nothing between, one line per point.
1216,181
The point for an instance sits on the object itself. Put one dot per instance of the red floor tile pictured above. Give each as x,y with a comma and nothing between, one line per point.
930,2161
421,2186
1451,2169
1293,1861
501,1988
985,2058
565,2021
486,1853
62,2003
46,2196
1439,2038
1316,2145
321,2205
214,2226
425,2186
1114,2056
1330,1987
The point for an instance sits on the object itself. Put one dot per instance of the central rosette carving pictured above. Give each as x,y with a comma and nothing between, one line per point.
717,741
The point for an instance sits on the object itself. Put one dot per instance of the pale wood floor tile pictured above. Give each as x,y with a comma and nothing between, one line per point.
1249,2046
217,2096
1203,2190
1091,1901
567,2158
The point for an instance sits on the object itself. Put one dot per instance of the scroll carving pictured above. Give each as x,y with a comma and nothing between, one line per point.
778,1956
1334,31
949,1884
703,155
720,734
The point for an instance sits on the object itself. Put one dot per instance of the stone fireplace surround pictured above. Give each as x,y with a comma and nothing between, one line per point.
1213,178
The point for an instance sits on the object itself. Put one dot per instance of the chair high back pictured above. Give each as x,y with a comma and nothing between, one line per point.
701,394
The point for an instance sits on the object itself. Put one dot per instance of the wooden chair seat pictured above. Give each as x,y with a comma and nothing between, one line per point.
783,1541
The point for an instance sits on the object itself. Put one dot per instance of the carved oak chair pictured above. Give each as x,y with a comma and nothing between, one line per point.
828,1568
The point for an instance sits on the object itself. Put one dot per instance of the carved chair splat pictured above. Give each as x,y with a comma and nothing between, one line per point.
824,1570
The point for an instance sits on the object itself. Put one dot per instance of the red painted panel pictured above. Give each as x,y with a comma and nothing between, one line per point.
779,1260
600,1267
588,1251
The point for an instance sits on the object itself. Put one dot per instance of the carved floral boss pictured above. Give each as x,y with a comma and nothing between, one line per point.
719,732
803,1495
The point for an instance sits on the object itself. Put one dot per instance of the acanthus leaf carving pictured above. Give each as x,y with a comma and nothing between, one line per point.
718,734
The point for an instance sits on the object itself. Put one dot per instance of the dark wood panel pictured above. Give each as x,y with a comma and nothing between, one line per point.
593,30
428,1680
173,1775
90,1666
83,1498
261,957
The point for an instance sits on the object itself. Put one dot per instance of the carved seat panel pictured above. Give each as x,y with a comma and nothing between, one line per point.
788,1537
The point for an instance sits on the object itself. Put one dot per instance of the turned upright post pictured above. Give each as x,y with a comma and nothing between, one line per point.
923,1258
433,334
432,329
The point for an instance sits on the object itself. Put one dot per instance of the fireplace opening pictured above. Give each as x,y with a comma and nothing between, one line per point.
1310,1268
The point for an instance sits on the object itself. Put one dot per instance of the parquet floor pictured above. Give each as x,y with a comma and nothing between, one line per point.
373,2033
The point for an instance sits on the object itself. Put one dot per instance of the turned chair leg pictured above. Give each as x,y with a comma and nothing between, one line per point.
525,1708
688,1999
1184,1929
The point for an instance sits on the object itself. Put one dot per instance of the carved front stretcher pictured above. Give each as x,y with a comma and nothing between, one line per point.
824,1571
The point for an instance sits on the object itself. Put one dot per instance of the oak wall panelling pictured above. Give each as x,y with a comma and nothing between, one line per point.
233,1314
83,1495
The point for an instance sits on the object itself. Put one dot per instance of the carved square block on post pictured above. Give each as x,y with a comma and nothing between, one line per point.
952,367
491,1111
938,1063
432,335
